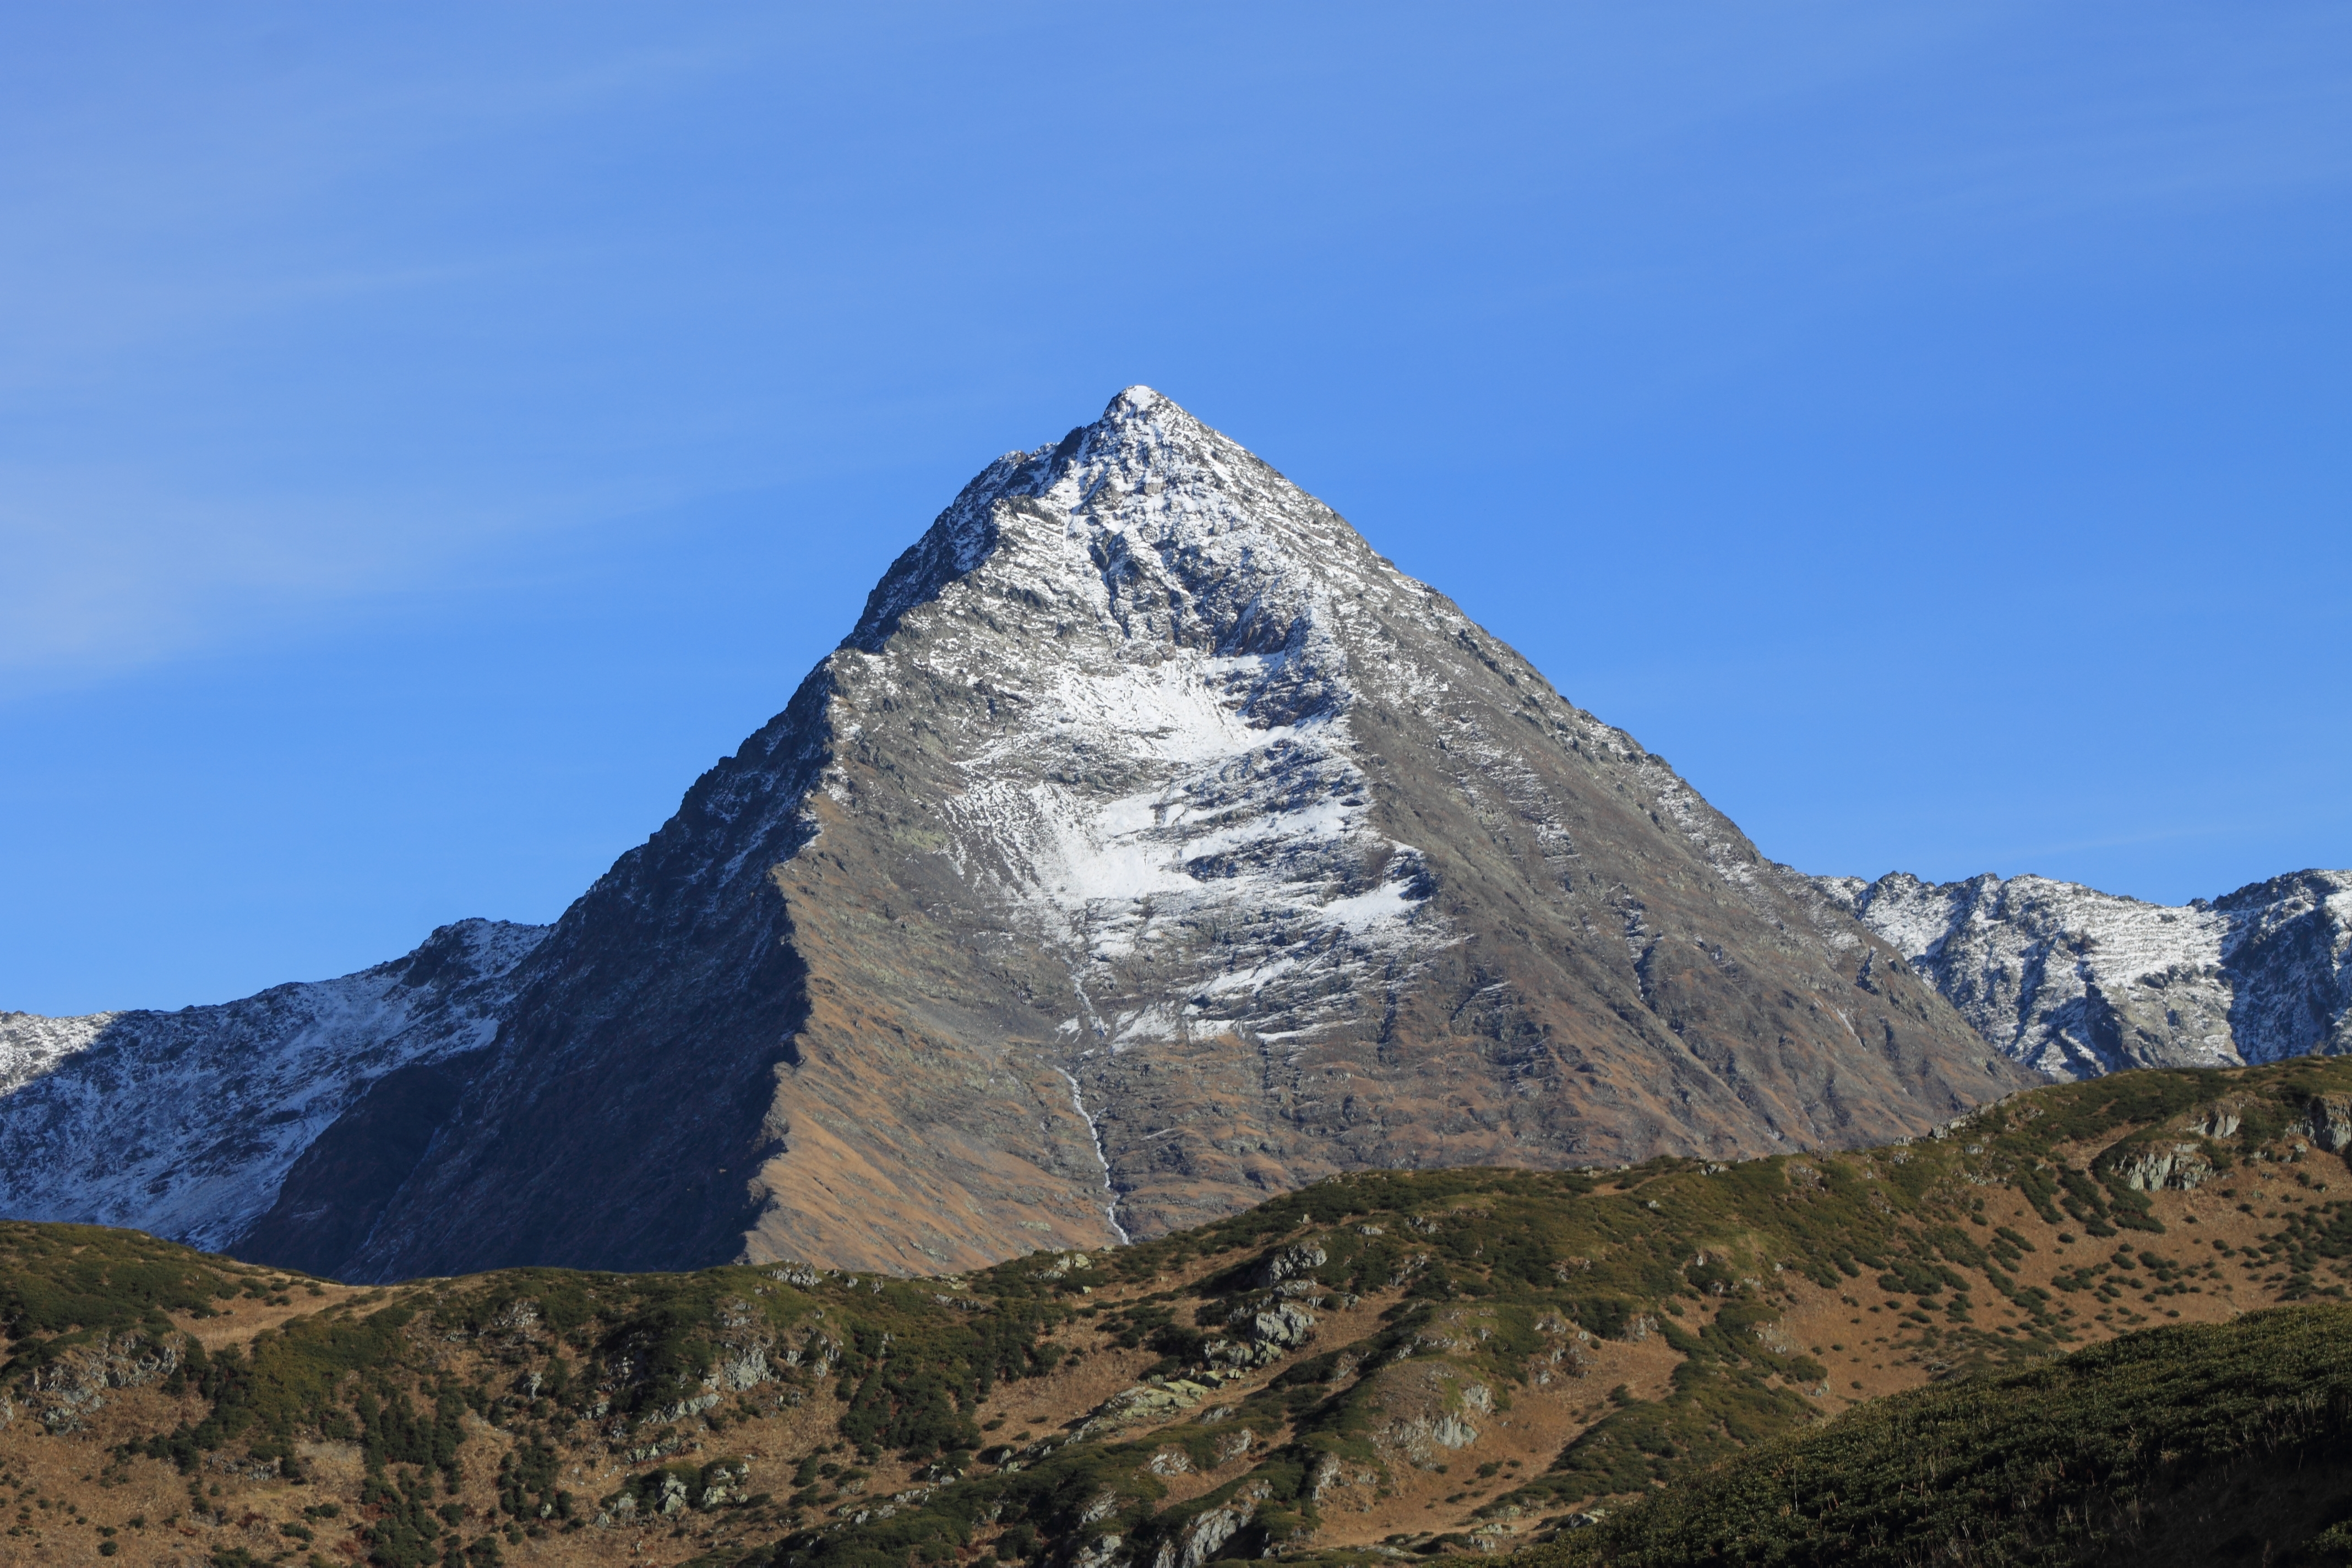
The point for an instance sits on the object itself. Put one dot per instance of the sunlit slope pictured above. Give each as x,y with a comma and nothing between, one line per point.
1387,1361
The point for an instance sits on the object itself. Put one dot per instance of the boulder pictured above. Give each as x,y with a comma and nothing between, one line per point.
1288,1263
1199,1538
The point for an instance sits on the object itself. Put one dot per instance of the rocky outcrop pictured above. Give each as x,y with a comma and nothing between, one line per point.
1289,1263
2326,1120
1263,1334
1199,1539
2152,1166
65,1389
1150,845
2077,983
1149,1404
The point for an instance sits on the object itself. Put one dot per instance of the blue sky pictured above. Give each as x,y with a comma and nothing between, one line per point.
429,436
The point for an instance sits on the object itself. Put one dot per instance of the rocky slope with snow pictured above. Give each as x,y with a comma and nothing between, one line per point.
186,1125
2076,983
1151,845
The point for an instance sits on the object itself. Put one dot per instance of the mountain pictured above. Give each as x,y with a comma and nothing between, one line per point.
1150,845
2075,982
187,1123
1680,1362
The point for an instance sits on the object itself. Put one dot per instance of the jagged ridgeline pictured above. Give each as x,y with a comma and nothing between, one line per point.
1383,1362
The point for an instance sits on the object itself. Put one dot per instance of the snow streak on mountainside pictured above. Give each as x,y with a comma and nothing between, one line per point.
2079,983
185,1123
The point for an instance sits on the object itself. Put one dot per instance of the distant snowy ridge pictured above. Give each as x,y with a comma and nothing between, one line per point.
185,1123
2079,983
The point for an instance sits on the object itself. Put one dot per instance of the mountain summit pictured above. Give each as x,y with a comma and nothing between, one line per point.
1150,845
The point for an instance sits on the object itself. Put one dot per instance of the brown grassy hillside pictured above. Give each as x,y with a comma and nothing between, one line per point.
1383,1364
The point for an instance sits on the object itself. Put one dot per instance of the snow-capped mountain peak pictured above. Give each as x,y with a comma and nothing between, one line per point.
1149,844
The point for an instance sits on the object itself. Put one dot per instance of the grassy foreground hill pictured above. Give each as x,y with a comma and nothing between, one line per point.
1382,1365
2181,1445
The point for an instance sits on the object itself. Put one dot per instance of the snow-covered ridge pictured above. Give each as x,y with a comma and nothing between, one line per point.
2078,982
185,1123
1193,662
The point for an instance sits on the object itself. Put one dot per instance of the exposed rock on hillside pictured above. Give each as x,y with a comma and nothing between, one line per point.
2077,983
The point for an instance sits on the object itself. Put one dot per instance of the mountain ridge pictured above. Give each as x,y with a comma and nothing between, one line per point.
1150,841
2075,982
187,1123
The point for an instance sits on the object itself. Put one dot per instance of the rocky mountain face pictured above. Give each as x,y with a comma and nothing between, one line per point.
187,1123
2077,983
1150,845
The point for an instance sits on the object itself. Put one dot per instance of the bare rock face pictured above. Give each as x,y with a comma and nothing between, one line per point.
1150,845
2077,983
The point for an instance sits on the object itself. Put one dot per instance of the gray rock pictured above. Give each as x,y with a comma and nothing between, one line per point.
679,1410
2145,1167
1289,1263
2326,1120
70,1387
1197,1540
743,1367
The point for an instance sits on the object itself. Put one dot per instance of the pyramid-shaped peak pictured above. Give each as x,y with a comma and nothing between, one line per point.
1137,428
1114,471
